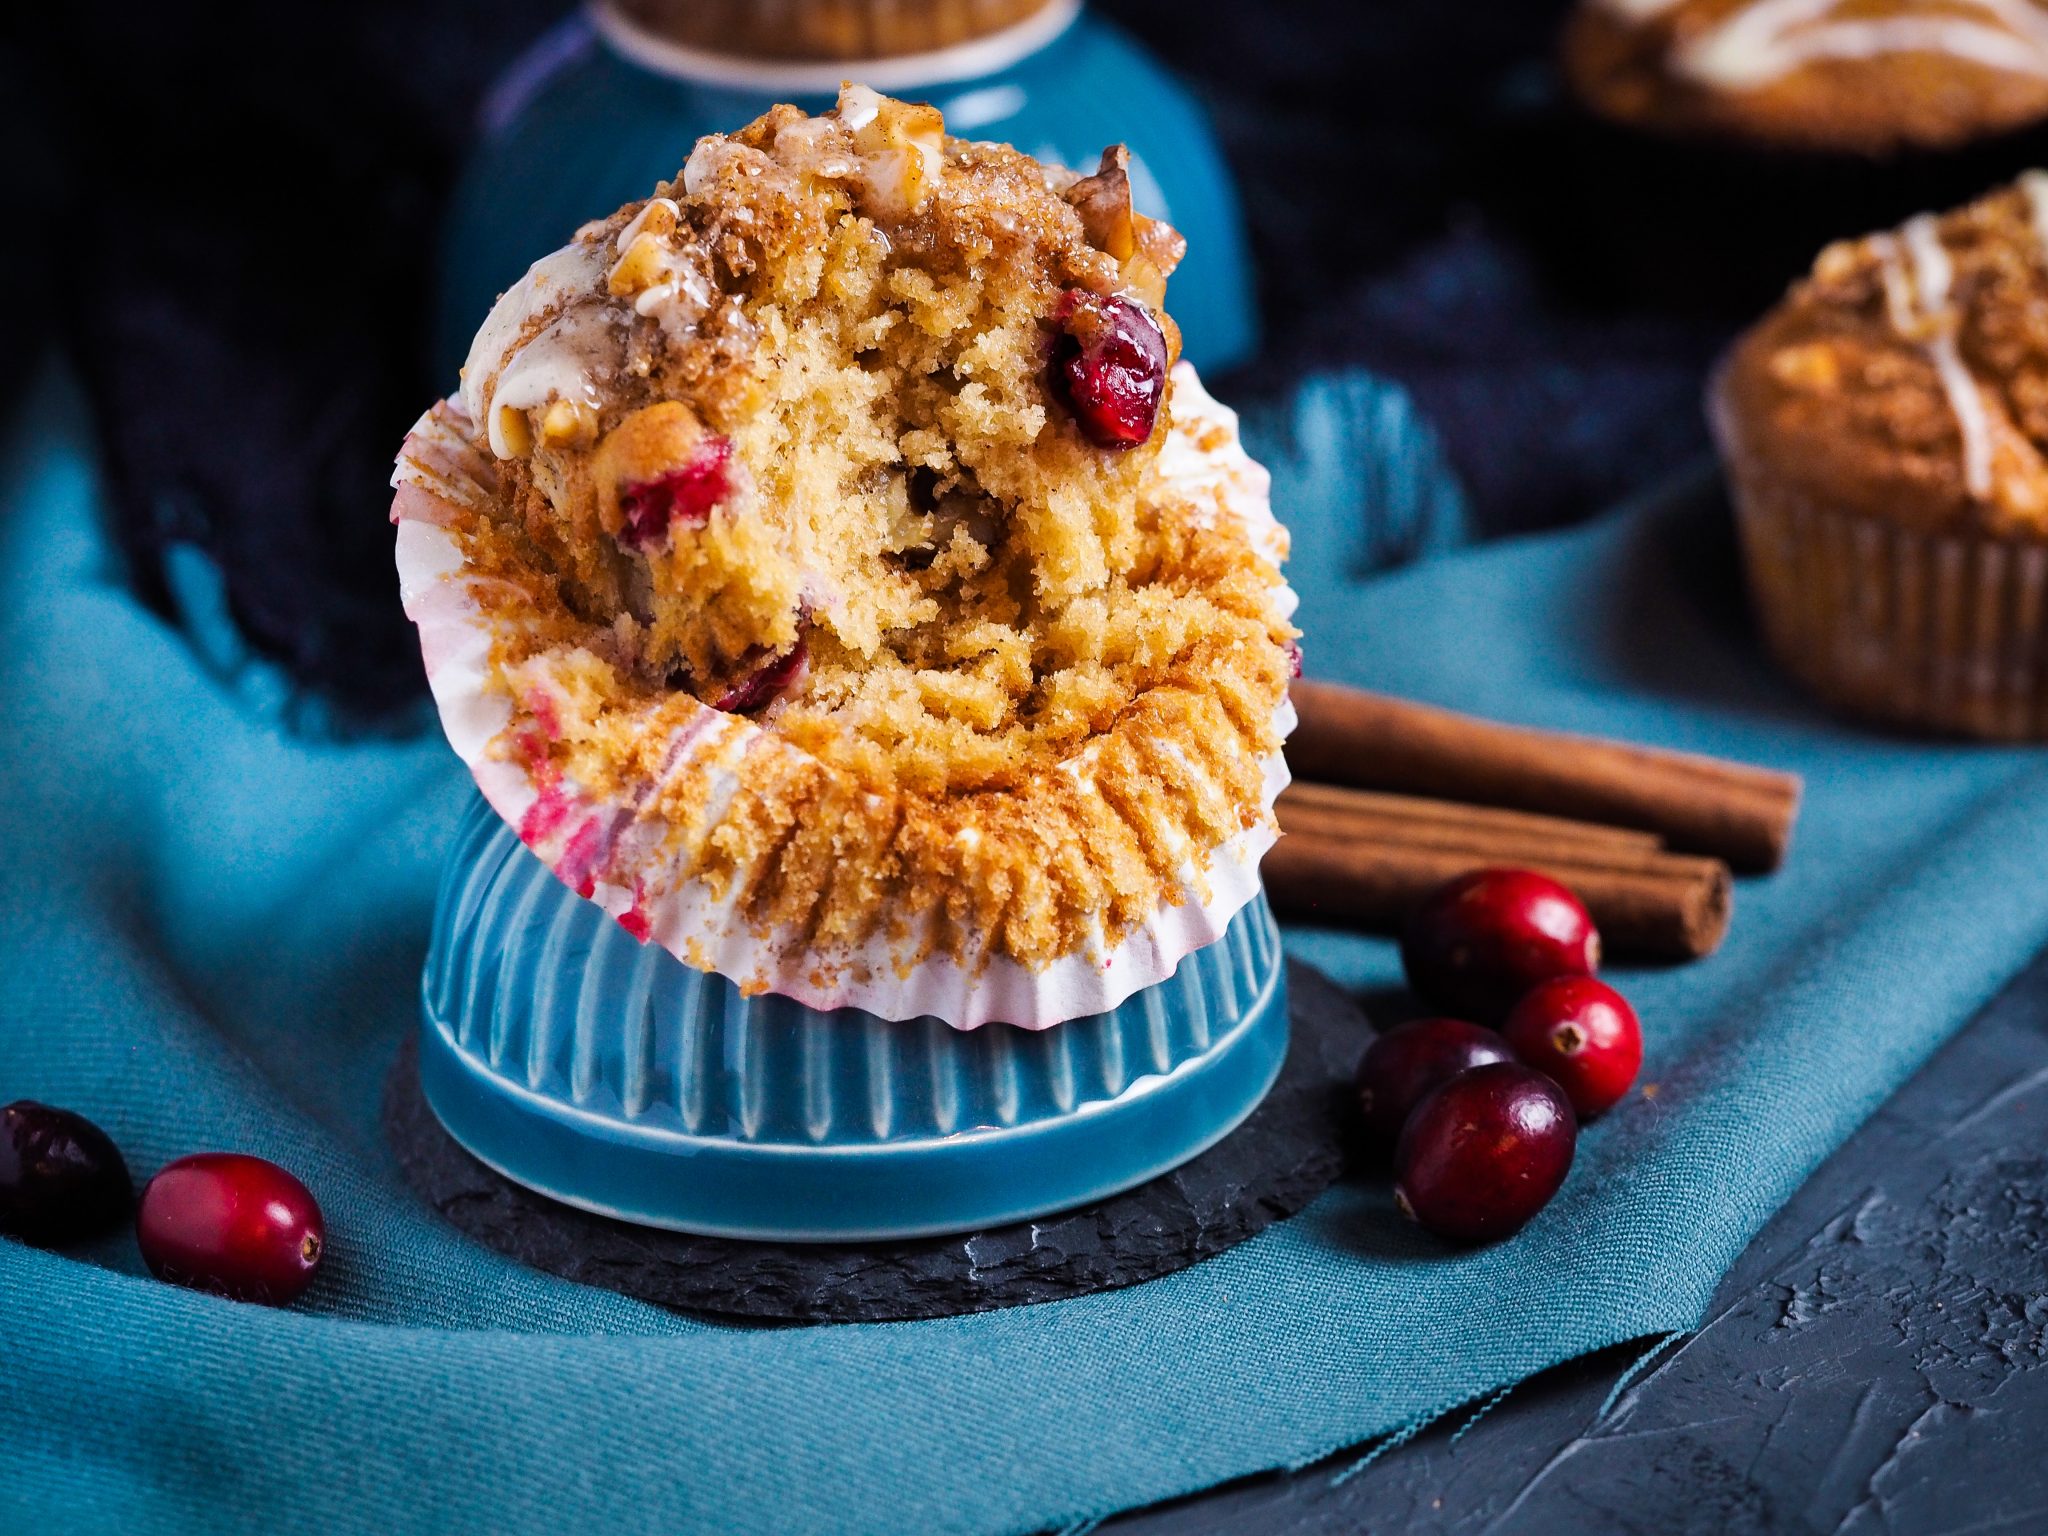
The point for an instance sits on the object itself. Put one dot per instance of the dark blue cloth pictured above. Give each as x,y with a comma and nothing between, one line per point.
210,934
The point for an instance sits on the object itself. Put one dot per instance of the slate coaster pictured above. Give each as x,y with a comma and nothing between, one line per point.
1284,1155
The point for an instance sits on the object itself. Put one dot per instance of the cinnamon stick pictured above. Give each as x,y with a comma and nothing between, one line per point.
1370,815
1700,805
1371,865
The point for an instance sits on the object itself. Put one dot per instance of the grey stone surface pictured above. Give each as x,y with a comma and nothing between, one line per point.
1873,1363
1281,1158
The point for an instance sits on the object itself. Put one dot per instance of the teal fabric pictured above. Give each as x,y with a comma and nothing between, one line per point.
210,936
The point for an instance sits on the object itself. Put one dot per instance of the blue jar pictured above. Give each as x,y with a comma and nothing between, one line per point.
599,111
607,1074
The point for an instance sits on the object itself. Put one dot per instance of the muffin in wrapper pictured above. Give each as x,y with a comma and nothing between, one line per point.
1879,431
597,844
826,569
1941,632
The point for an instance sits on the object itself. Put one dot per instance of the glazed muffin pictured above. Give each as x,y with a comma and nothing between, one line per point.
1868,77
820,29
826,567
1884,430
1705,149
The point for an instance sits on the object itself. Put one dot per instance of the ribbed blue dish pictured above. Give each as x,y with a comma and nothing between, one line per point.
607,1074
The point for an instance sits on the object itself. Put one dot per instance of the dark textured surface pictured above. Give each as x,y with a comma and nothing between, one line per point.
1281,1158
1876,1362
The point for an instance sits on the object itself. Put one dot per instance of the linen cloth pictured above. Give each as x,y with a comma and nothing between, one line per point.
210,936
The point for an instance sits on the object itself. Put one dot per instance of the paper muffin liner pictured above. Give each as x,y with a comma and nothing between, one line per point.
603,848
1945,632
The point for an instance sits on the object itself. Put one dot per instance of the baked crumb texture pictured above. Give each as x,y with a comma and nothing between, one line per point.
1867,77
1884,430
813,609
1907,375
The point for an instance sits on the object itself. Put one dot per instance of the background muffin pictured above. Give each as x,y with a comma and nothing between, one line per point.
1712,146
1883,429
1854,76
823,29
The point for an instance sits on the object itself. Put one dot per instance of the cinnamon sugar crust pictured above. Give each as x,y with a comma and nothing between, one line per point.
1868,77
986,687
1906,378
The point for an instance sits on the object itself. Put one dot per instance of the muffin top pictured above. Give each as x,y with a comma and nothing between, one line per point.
1852,76
843,526
1906,376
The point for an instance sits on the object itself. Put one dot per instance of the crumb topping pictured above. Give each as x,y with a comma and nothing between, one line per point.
1907,375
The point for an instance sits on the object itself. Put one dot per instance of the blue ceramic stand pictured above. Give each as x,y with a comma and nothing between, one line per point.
607,1074
578,127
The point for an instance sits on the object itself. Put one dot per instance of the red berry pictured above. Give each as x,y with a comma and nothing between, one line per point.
1485,1152
61,1176
1408,1061
1478,942
1581,1034
767,682
684,495
1110,363
231,1224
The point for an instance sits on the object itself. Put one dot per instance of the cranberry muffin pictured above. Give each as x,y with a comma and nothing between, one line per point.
1866,77
827,568
1884,431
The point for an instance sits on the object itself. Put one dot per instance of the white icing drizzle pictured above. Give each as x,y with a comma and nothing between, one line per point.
562,360
683,293
561,363
2034,184
859,105
1767,40
654,205
1917,276
582,339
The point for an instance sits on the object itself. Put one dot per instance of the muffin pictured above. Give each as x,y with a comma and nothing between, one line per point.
1866,77
1712,146
827,567
1883,430
820,29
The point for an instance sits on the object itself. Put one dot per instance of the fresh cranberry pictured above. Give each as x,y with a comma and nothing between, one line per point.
1110,361
684,495
1409,1060
1485,1152
766,683
61,1176
231,1224
1478,942
1581,1034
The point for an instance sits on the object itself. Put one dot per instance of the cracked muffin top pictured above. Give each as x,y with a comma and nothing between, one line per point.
1907,376
869,442
1867,77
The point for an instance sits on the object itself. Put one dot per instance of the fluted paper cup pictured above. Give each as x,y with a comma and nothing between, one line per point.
1945,632
618,851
